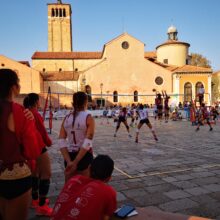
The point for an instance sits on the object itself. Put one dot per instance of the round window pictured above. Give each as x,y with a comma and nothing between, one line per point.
125,45
159,80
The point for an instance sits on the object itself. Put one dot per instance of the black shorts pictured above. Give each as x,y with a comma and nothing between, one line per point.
11,189
121,119
83,163
159,107
146,120
167,108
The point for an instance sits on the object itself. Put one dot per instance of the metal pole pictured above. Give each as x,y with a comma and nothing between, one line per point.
101,85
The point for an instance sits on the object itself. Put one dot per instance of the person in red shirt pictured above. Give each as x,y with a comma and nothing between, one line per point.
122,118
203,116
84,198
42,173
166,105
19,142
159,104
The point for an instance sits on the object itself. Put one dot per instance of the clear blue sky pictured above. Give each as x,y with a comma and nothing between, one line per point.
95,22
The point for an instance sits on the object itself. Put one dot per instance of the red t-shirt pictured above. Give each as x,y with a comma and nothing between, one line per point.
83,198
39,122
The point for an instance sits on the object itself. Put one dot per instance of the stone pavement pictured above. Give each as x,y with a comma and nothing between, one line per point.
179,173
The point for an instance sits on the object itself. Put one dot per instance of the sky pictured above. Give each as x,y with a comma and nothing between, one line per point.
95,22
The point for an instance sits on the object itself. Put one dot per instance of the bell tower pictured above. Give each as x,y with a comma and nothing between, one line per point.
59,27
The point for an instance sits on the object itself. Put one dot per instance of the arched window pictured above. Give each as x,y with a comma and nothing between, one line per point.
198,86
53,12
60,12
115,96
64,12
188,92
89,92
135,96
57,12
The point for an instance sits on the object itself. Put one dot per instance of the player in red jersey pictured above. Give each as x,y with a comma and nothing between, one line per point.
84,198
42,173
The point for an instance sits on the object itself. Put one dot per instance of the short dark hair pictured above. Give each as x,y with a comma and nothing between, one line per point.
84,163
102,167
30,100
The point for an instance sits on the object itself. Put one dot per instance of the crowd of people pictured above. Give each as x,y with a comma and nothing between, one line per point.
25,167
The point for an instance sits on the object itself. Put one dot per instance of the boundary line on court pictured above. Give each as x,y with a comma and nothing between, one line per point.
164,172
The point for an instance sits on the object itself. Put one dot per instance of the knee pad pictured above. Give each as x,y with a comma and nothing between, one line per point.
127,126
35,183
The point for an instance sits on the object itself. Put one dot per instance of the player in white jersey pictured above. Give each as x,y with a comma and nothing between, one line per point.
143,114
76,134
134,116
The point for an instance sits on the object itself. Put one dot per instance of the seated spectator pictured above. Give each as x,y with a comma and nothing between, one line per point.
84,198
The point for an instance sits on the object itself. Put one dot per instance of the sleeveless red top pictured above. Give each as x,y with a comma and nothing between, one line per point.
10,149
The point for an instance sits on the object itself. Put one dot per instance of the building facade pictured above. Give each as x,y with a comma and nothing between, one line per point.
123,72
30,79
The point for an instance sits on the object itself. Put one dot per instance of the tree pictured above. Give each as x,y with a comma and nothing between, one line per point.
199,60
215,88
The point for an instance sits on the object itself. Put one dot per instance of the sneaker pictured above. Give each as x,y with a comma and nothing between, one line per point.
155,138
136,140
197,129
210,129
44,210
34,203
114,135
129,136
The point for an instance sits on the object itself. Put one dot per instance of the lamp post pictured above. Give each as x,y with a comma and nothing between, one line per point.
84,84
107,97
101,86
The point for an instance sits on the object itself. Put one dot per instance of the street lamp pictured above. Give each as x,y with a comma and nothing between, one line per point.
101,86
84,83
107,97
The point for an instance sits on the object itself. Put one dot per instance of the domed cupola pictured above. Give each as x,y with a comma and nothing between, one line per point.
173,52
172,33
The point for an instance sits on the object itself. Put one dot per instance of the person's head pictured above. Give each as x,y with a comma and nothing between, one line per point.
31,101
124,109
141,106
80,100
203,104
102,168
9,84
83,167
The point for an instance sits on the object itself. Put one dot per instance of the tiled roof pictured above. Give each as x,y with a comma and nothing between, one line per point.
67,55
150,54
60,76
168,67
25,63
190,68
173,42
216,73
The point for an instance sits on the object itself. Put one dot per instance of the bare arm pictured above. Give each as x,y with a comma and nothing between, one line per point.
71,168
64,150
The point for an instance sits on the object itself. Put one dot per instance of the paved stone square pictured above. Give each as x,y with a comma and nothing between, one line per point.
179,173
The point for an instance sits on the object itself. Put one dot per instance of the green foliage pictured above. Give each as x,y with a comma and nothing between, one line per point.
199,60
215,88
